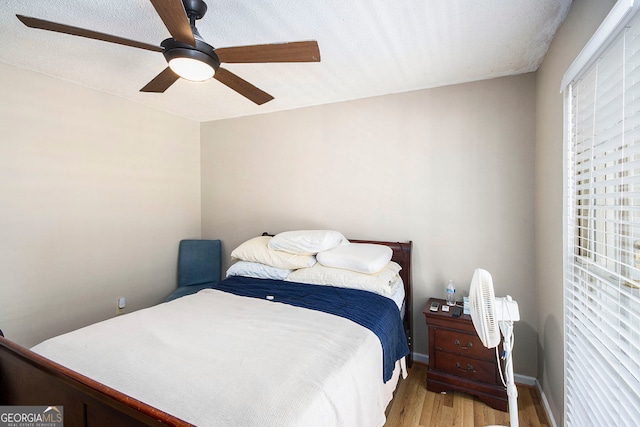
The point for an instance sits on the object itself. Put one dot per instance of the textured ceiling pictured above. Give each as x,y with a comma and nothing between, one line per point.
368,47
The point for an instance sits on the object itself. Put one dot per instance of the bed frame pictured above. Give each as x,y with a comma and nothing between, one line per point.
27,378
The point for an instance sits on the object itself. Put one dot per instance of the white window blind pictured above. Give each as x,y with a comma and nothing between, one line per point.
602,267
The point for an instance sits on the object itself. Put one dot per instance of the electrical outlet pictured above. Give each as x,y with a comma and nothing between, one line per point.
120,305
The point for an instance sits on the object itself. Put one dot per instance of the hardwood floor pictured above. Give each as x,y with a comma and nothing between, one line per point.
414,406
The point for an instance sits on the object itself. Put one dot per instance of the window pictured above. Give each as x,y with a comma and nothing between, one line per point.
602,265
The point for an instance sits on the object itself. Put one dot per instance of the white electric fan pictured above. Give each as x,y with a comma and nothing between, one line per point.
490,316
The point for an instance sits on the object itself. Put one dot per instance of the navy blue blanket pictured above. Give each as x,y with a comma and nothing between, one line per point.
376,313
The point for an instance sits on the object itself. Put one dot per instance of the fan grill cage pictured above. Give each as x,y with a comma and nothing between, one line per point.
482,305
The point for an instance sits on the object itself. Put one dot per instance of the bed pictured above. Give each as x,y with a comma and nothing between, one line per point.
312,367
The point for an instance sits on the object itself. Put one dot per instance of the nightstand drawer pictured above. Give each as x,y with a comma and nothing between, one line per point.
473,369
460,343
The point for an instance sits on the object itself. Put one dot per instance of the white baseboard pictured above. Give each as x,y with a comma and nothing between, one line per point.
545,403
524,379
422,358
520,379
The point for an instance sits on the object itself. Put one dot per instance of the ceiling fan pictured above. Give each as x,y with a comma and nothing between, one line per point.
189,56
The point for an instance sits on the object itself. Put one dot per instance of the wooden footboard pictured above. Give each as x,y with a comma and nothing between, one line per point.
27,378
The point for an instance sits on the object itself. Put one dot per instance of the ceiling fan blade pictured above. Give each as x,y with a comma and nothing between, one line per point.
161,82
241,86
75,31
307,51
175,19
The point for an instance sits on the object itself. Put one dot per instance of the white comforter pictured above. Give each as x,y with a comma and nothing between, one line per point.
216,359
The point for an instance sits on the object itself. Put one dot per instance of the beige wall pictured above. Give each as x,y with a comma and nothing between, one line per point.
95,194
96,191
584,18
449,168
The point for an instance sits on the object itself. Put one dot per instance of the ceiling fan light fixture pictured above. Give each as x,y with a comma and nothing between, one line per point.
192,69
196,63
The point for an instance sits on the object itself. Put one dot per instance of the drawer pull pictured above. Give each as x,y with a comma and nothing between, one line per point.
469,367
468,346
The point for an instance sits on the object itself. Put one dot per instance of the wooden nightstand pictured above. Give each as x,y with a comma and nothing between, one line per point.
458,361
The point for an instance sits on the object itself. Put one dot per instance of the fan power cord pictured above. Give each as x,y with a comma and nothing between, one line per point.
506,352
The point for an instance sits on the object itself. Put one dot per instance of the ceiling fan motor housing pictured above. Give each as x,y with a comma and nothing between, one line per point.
195,8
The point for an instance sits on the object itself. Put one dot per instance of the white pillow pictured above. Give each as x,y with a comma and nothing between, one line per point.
361,257
256,250
307,242
257,270
382,283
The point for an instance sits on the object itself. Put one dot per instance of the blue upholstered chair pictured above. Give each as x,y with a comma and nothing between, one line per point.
198,266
